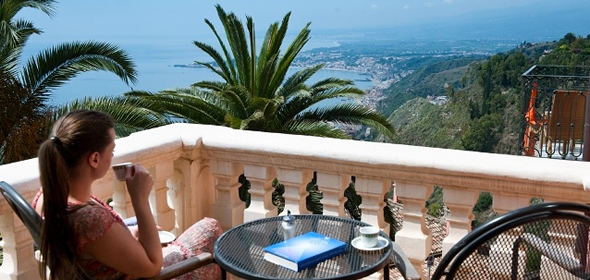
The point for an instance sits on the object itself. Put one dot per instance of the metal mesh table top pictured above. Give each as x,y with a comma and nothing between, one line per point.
240,249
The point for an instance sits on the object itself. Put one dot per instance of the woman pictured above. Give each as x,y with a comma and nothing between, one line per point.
82,237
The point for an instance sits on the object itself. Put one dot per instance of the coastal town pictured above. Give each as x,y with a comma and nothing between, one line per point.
383,64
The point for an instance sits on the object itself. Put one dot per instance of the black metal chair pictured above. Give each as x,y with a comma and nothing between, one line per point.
32,221
542,241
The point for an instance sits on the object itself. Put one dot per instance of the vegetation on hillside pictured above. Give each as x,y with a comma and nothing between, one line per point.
433,79
569,50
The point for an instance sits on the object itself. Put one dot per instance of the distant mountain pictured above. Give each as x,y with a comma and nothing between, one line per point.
540,22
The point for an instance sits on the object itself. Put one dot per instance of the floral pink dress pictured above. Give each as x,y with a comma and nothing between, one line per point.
93,221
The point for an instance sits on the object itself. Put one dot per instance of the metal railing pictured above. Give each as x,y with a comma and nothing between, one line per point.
553,111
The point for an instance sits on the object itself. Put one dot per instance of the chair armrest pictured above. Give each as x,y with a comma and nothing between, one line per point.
183,267
403,264
567,262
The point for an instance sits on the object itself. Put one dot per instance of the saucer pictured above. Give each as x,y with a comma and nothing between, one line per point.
381,243
166,236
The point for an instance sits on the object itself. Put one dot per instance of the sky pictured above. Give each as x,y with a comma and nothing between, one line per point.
118,19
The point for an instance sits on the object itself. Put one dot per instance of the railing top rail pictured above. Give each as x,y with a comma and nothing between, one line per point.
382,160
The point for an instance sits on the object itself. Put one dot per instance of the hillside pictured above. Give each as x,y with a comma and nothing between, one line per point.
420,123
429,80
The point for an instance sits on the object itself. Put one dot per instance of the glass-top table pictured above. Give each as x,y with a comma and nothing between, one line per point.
239,250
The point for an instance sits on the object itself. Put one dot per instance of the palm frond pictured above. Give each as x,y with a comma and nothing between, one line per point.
55,66
12,32
331,83
252,85
312,128
226,72
336,92
236,38
296,82
350,113
234,98
11,46
128,115
182,105
292,51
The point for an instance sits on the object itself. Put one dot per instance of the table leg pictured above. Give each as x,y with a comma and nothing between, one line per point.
223,274
386,272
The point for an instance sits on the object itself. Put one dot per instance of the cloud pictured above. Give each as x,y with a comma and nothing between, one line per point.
374,6
406,7
447,1
429,4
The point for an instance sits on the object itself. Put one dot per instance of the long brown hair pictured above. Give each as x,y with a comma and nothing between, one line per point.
74,136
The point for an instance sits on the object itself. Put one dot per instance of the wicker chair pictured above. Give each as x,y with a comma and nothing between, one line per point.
542,241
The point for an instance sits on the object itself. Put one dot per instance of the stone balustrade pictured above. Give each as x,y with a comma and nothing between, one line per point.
197,171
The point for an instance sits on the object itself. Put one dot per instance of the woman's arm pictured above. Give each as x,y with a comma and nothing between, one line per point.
118,248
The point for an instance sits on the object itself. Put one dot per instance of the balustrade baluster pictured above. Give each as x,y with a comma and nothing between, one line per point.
295,182
373,191
228,209
333,186
414,237
121,202
162,212
17,248
261,189
460,202
506,202
177,198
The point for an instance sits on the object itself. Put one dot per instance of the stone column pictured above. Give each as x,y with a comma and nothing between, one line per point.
228,209
373,191
333,186
460,202
414,237
19,257
121,202
261,189
295,182
164,215
506,202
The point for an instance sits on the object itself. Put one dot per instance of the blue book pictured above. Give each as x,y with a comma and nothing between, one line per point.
304,251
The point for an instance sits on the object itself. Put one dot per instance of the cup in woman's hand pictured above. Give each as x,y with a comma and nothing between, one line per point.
123,170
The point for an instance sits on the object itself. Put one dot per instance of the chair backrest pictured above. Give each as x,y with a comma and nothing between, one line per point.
23,210
567,115
547,240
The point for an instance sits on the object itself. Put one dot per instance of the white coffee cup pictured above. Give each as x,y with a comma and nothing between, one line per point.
123,170
369,236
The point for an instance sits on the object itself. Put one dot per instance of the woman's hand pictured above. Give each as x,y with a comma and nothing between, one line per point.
140,183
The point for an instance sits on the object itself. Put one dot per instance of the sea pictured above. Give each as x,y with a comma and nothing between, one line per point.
155,64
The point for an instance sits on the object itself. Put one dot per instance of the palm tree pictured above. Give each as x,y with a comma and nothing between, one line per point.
255,93
24,91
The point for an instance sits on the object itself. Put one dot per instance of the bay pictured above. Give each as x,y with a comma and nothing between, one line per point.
163,76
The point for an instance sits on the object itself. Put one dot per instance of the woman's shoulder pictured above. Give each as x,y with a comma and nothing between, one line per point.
89,215
91,221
